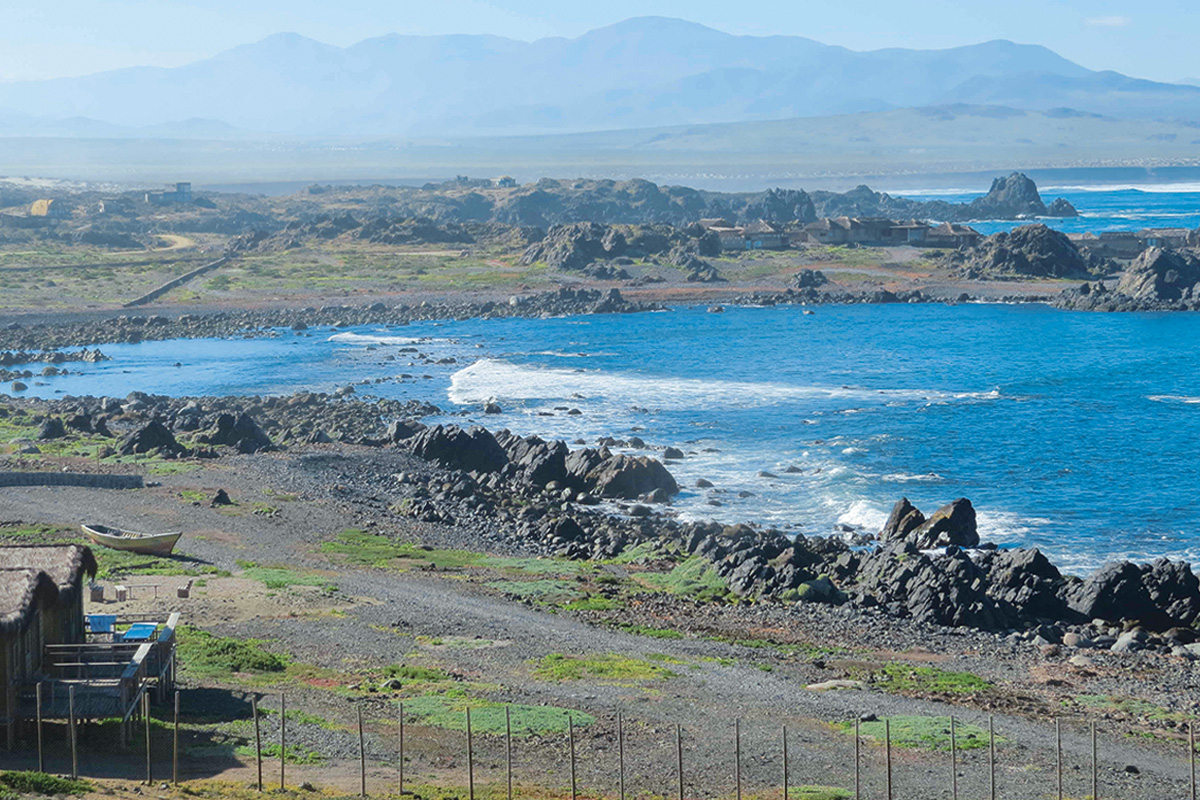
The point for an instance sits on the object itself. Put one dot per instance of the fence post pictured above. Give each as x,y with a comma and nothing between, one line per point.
362,757
282,738
953,762
571,744
1059,755
1192,756
785,764
146,725
73,733
1095,766
857,761
737,757
679,758
41,752
401,748
257,739
508,748
991,757
620,756
175,744
470,761
887,736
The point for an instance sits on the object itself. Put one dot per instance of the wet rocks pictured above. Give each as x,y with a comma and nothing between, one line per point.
904,519
952,524
629,477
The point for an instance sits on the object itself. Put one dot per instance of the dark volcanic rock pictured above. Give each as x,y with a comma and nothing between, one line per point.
473,450
1114,592
952,524
52,428
575,246
1011,197
1034,251
904,519
240,432
152,438
809,279
1159,274
1061,207
629,477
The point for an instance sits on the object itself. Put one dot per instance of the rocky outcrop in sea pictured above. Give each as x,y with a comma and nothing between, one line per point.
1029,251
1157,280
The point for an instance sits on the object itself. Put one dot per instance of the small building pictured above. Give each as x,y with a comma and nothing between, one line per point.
912,231
1166,237
950,234
51,209
41,603
180,193
762,235
506,182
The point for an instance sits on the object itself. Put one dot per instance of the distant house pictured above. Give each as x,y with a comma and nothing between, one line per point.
181,193
51,209
762,235
950,234
912,231
828,231
506,182
1167,237
41,603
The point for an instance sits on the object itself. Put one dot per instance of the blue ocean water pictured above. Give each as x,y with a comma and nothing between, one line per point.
1073,432
1101,207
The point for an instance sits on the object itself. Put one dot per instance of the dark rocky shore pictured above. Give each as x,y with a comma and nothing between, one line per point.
544,497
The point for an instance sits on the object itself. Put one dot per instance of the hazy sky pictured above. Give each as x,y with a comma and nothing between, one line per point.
1150,39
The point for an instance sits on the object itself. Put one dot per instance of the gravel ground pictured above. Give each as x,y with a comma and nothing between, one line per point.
386,612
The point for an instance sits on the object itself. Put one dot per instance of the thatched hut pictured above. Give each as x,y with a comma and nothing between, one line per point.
66,565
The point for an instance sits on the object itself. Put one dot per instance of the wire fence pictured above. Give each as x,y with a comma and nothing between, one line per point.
621,759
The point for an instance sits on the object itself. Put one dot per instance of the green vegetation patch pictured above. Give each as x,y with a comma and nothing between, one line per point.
537,589
536,566
276,577
593,603
903,678
1128,706
41,783
373,549
818,793
608,668
487,717
921,733
653,633
204,655
295,754
695,577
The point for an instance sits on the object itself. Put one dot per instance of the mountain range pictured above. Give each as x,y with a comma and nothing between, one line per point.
647,72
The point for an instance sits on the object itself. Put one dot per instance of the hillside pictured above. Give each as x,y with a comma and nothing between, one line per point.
643,72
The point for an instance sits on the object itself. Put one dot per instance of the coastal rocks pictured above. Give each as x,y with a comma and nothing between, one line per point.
630,477
1034,251
241,433
953,524
1061,208
52,428
575,246
809,279
1014,197
152,438
472,450
1159,275
1158,595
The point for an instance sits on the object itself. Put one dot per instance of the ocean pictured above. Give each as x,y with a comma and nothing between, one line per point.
1072,432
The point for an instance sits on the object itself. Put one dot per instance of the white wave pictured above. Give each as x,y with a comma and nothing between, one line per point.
853,451
492,378
372,338
1148,188
904,477
865,515
1174,398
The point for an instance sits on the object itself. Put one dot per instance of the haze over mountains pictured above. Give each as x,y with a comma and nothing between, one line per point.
642,73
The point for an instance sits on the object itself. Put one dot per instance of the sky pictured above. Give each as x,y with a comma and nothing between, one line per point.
1150,39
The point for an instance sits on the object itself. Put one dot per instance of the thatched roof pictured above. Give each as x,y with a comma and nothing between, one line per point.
20,591
65,564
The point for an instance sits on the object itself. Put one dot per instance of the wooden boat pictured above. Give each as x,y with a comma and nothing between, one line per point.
151,544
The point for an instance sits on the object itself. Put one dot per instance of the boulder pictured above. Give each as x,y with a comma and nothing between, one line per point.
952,524
1161,275
1034,251
240,432
402,429
630,477
904,519
1114,592
52,428
809,279
152,438
1173,588
473,450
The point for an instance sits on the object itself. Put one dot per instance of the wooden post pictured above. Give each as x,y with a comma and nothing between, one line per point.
40,739
146,726
175,744
785,764
362,757
857,760
887,737
679,758
257,739
1059,755
571,744
737,757
991,757
1095,766
508,748
470,760
402,748
282,738
1192,756
953,762
620,756
74,738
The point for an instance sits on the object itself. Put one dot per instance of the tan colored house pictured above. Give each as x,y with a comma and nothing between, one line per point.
51,209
